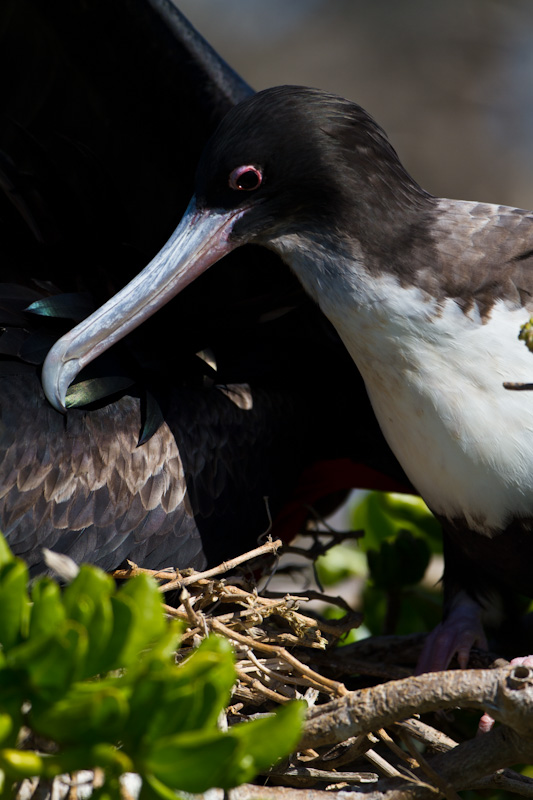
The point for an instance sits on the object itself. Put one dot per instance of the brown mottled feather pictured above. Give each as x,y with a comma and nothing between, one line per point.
483,251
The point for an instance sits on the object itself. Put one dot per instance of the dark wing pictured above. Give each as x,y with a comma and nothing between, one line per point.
105,110
106,107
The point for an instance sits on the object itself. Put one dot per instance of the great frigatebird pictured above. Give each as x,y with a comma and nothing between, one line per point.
106,107
427,294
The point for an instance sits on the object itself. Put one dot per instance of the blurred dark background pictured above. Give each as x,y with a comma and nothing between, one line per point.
451,82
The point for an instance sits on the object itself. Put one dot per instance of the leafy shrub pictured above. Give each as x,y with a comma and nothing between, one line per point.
400,535
91,670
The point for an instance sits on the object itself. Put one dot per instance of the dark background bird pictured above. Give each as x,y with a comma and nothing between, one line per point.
105,110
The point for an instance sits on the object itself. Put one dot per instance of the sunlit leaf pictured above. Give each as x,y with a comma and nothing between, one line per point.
193,762
14,602
269,739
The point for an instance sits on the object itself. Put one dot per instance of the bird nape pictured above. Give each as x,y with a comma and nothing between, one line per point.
237,390
427,295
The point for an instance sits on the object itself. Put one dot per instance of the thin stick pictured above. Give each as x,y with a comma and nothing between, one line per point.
335,687
225,566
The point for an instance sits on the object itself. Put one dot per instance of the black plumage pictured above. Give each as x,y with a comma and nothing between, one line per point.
105,110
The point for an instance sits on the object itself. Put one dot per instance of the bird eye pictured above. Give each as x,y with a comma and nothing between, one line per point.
245,179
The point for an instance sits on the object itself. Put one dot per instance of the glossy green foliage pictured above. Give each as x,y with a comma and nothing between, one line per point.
382,515
400,536
91,669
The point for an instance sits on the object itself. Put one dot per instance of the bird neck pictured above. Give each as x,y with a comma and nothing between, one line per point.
434,375
355,283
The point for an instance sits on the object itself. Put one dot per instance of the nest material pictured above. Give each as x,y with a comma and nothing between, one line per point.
370,740
363,732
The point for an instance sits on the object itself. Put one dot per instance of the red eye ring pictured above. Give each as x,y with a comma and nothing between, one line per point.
245,179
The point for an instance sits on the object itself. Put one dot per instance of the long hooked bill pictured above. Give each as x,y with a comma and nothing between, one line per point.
200,240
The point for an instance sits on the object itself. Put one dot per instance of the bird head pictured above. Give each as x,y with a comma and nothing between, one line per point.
288,168
293,157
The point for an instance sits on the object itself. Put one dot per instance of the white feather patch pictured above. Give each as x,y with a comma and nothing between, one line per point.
435,378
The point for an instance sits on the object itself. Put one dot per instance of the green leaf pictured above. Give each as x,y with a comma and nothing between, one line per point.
6,556
382,515
48,612
205,680
52,663
189,697
138,619
14,603
197,761
88,600
6,726
154,789
269,739
341,562
401,562
90,582
20,764
12,696
417,610
192,762
110,790
72,758
87,714
123,620
164,648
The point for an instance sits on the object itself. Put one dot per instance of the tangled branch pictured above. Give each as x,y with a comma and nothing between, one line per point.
363,740
370,739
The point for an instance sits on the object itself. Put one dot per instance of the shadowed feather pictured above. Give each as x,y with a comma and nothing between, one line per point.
105,110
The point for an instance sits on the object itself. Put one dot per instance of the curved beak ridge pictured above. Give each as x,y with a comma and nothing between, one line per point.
200,240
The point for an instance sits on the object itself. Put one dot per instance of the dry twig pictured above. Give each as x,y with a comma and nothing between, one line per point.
284,651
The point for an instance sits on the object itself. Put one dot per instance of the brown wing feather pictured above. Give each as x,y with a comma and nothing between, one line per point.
84,479
483,251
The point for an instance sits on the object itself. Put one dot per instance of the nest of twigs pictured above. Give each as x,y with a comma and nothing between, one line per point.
364,731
